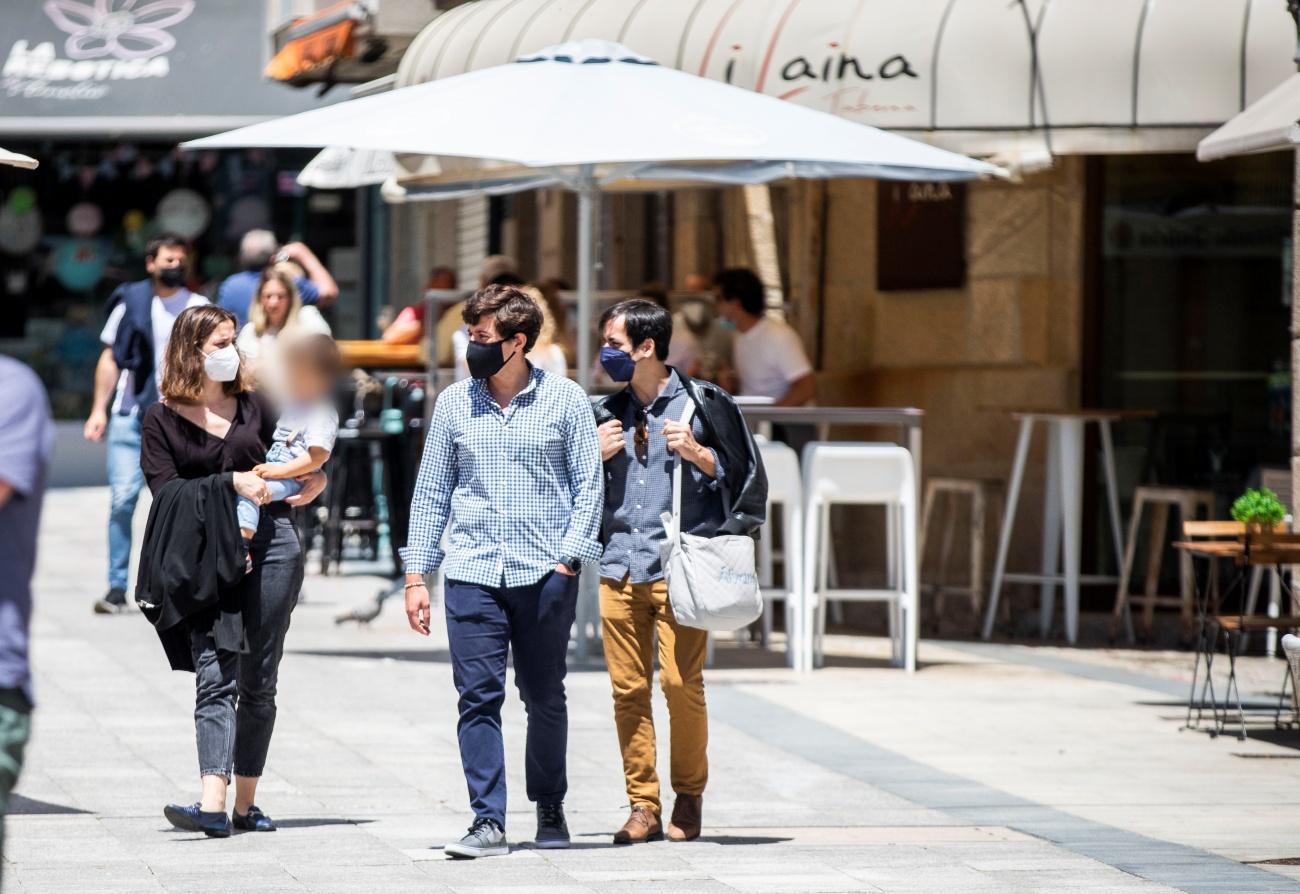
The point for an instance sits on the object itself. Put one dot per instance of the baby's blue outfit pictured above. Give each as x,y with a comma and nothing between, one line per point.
301,425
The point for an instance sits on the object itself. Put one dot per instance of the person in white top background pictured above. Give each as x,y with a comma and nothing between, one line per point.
768,355
129,369
277,313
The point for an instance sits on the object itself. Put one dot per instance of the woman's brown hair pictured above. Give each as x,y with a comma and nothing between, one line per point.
257,316
182,372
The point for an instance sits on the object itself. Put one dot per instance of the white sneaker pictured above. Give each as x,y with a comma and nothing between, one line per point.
485,839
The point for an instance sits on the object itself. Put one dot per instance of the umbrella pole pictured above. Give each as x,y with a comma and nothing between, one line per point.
1293,7
586,268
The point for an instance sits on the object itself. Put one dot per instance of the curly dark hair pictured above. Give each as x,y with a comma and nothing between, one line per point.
515,312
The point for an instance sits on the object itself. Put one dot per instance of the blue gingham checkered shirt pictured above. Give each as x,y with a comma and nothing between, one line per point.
520,487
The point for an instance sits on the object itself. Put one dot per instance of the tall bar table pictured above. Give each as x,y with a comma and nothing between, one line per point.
1062,510
907,420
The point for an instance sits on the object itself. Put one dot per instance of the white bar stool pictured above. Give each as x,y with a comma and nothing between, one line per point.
871,475
784,486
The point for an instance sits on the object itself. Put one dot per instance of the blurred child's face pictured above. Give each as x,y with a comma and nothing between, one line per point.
307,383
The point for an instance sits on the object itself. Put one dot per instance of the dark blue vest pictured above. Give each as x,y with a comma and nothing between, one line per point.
134,349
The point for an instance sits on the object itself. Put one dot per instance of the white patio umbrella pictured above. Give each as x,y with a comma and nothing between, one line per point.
594,113
17,159
342,167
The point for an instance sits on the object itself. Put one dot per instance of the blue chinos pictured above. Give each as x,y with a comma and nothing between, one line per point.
483,625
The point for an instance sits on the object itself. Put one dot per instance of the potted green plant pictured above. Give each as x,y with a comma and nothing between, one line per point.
1258,509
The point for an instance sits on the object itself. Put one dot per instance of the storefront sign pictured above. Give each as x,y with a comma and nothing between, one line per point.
163,66
1230,232
100,45
920,236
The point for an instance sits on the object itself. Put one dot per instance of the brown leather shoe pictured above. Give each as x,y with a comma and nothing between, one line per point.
641,826
688,811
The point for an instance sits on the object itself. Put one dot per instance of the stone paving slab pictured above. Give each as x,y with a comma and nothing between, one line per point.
980,773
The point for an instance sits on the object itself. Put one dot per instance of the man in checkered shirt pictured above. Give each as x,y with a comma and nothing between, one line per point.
512,463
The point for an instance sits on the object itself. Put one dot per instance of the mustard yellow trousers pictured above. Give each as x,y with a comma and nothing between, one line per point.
631,614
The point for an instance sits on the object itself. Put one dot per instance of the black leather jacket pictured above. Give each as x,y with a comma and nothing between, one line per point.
745,482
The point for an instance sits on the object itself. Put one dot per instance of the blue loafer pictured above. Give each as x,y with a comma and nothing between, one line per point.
254,821
214,824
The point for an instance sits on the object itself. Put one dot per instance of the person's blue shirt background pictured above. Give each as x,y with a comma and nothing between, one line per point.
236,292
26,442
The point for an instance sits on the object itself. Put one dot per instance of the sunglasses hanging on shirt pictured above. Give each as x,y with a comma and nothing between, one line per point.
641,437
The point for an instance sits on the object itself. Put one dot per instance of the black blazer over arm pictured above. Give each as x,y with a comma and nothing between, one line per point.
191,565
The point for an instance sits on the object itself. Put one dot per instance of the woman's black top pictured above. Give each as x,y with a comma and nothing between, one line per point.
172,446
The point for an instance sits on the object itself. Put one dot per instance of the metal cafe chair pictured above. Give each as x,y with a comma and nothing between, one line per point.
1215,541
1290,649
1263,549
1212,541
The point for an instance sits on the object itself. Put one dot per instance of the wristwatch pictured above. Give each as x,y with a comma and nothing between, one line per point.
573,563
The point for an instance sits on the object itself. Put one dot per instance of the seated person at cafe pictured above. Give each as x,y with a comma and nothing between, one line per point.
450,339
768,355
408,328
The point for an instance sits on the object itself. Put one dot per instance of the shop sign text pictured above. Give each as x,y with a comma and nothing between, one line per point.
109,40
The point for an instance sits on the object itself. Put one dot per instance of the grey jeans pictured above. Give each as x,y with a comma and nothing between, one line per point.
234,705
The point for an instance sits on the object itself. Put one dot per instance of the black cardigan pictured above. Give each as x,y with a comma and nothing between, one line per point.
191,566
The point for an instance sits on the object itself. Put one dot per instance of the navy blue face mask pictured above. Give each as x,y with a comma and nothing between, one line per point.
619,365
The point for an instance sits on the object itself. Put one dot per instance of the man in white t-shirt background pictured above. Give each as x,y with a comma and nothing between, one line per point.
767,354
159,299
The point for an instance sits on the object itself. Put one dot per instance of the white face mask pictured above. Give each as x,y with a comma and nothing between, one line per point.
222,365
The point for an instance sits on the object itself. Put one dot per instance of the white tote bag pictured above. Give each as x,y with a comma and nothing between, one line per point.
712,581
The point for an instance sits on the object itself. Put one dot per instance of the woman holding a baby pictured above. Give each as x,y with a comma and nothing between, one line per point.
209,423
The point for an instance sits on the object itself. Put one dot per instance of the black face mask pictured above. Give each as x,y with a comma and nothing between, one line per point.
171,277
484,358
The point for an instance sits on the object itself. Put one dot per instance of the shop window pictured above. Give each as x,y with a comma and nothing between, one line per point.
1191,310
76,227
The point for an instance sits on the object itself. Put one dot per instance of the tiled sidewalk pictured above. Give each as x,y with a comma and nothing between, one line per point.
983,772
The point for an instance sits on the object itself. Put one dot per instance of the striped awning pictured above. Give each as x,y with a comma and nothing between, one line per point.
977,76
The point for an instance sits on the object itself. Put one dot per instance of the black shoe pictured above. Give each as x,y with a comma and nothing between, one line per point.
214,824
552,830
253,821
114,601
